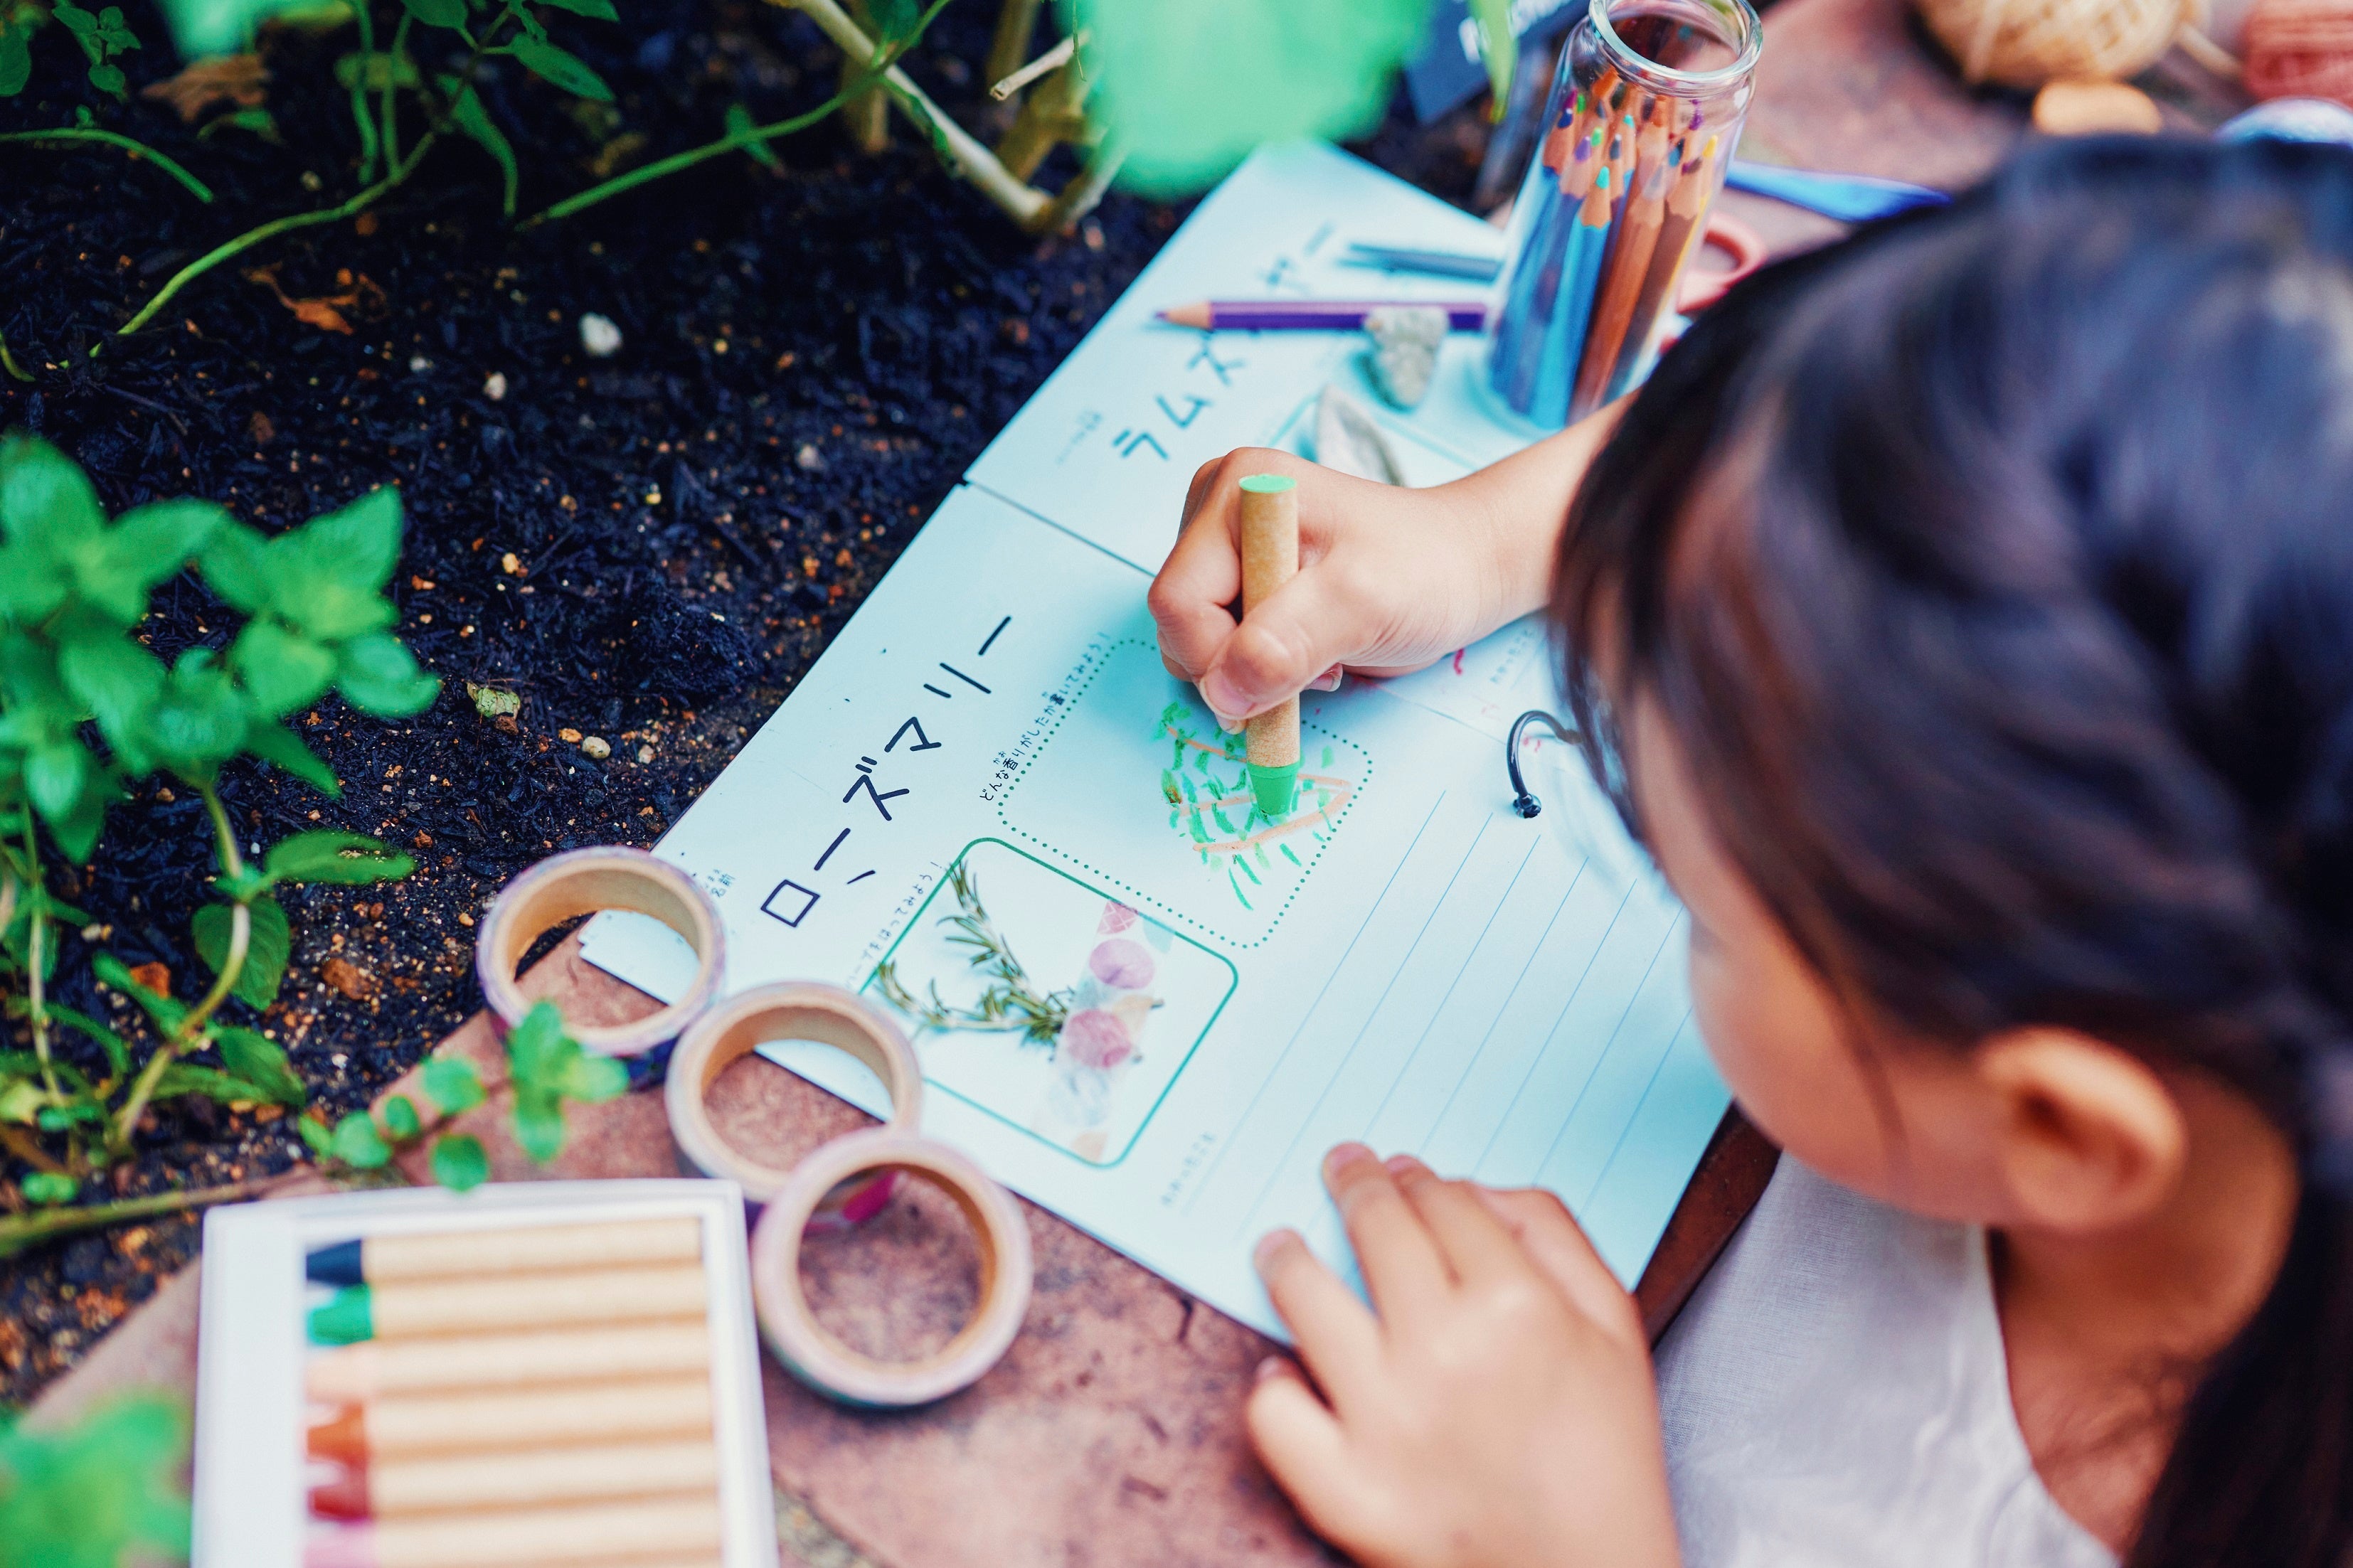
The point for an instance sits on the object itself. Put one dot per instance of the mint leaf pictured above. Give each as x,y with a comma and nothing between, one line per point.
268,948
378,675
49,1188
325,854
358,1144
566,70
46,501
281,671
539,1124
258,1059
275,743
400,1117
466,109
452,1084
459,1163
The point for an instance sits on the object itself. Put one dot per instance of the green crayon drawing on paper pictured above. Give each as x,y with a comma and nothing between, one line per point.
1220,815
1133,785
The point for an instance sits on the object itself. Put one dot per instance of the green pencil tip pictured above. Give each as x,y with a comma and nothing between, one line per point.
345,1318
1272,788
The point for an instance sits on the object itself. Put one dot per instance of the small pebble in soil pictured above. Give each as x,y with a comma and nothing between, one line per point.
419,364
644,753
599,336
568,735
595,748
806,457
495,388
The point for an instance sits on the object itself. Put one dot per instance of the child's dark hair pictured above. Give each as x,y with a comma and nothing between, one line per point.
1994,571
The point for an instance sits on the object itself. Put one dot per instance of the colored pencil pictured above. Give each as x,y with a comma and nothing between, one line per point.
487,1363
1269,550
402,1428
1678,230
1565,331
1629,264
682,1528
518,1301
400,1488
1436,263
1310,315
1563,134
1535,288
520,1249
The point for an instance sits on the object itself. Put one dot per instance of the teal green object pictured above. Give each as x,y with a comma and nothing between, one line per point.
1274,787
1190,88
346,1320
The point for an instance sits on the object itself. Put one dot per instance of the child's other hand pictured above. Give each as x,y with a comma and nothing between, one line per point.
1389,580
1495,1408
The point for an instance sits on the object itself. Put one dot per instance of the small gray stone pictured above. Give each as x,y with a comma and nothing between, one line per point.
1348,439
1405,350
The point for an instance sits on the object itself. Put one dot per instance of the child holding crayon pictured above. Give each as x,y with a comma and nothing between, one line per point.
1964,616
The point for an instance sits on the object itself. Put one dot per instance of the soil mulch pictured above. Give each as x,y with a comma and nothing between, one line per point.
648,549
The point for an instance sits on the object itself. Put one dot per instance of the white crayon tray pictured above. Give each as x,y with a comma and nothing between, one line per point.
253,1475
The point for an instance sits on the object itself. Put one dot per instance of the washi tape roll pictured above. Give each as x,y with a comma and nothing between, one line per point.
588,881
793,1010
803,1345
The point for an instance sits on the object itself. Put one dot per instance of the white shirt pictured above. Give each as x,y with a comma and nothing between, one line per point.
1835,1393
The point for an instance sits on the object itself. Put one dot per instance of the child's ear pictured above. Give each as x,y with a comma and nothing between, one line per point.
2092,1138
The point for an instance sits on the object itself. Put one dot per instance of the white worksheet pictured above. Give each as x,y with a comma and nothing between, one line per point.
1178,1005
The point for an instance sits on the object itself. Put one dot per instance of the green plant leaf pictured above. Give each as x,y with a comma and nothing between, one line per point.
200,717
535,1052
268,948
281,671
16,59
566,70
314,1133
49,1188
221,26
1190,89
436,13
400,1117
895,20
601,10
453,1085
100,1493
258,1060
149,543
162,1011
55,776
358,1144
740,122
119,680
235,563
118,1054
110,79
275,743
467,111
46,501
326,855
377,674
539,1124
221,1087
595,1080
459,1163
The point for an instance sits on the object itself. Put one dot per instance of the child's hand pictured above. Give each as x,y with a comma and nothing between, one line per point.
1389,579
1499,1409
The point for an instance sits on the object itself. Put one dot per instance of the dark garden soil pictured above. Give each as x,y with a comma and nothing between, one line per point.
650,550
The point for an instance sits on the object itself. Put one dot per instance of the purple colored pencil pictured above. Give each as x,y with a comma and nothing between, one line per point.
1310,315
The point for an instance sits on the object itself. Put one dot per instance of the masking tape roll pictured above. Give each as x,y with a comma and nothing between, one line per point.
792,1010
788,1325
588,881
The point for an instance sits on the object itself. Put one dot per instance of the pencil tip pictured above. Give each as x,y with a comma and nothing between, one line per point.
337,1264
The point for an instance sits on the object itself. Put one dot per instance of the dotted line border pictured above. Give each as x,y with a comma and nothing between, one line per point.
1069,706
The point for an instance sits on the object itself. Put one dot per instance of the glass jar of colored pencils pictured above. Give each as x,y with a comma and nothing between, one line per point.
1643,115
